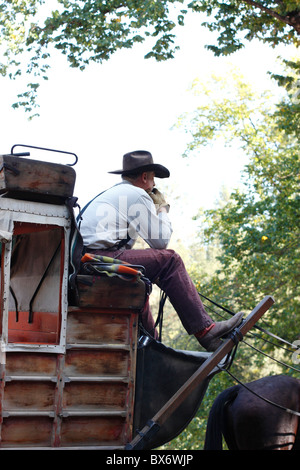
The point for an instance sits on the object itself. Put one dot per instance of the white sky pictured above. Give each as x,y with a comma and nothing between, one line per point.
130,103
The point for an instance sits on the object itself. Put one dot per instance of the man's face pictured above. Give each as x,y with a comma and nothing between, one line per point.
147,181
150,181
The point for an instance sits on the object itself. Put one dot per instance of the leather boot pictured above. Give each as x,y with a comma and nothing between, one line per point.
212,340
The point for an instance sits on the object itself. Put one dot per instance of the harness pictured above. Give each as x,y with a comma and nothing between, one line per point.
123,242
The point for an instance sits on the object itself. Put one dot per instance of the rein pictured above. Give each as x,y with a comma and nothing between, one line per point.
226,369
270,342
293,412
263,330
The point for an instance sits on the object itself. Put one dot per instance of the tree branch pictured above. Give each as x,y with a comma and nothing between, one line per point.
293,21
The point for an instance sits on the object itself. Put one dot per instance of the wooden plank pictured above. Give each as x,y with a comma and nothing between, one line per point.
30,364
26,431
85,396
85,326
97,431
25,396
96,363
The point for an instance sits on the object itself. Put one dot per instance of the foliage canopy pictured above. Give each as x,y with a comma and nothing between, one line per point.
93,30
258,226
255,228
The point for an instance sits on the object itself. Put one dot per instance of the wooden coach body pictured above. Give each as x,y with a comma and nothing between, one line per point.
67,372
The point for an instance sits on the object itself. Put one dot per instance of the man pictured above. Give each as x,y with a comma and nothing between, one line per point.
111,224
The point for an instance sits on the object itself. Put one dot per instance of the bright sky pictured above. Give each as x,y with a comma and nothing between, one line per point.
130,103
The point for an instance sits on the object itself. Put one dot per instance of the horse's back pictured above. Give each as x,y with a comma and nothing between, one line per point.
257,424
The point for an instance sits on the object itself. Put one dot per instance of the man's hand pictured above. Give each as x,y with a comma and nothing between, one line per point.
159,200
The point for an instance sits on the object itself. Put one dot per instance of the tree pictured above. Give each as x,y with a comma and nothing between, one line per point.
288,110
84,31
258,228
93,30
270,21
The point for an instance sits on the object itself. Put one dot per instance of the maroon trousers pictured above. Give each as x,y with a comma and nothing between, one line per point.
166,269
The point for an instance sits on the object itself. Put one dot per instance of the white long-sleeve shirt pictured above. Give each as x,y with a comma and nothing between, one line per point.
124,212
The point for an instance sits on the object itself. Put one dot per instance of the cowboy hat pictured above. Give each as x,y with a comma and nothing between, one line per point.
139,161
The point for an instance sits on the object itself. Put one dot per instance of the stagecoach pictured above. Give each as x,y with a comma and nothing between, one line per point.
77,371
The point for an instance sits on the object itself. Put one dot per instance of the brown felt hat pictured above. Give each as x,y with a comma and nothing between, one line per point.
139,161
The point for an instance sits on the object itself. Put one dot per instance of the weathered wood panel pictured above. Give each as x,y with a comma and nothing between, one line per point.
93,363
93,395
90,326
30,364
24,395
93,431
26,431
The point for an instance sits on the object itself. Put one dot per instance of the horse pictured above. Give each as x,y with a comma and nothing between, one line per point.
248,422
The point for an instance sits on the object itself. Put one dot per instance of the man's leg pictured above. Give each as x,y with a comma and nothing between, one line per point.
166,268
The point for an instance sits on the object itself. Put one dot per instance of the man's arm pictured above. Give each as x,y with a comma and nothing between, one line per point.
152,225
